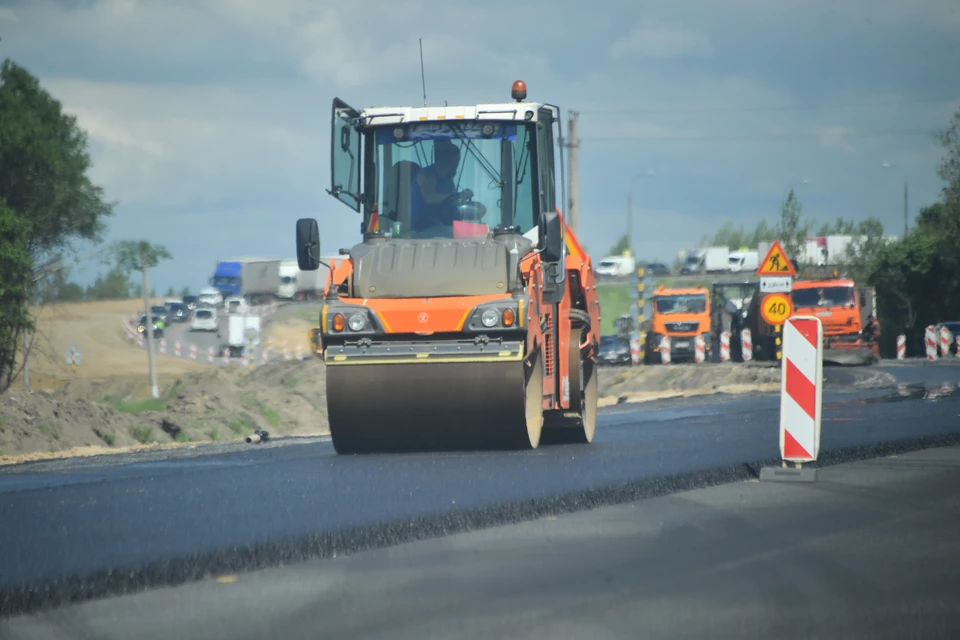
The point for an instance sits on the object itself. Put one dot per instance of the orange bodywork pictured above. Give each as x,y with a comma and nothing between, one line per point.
659,320
424,317
837,319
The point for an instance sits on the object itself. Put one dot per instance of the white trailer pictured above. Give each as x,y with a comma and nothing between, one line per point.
240,330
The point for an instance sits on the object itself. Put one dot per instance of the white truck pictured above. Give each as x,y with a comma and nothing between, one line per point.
707,260
616,266
240,330
299,285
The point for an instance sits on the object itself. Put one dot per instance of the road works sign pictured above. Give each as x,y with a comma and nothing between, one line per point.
801,389
776,308
776,284
776,263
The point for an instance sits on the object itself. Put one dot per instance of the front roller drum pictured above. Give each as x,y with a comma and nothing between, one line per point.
579,424
435,406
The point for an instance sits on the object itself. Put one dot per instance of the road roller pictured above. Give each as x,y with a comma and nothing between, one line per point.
466,318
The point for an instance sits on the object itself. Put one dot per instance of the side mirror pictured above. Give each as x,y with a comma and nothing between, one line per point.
308,244
551,237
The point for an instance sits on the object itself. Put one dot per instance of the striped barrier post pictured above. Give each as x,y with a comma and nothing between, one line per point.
634,349
901,347
665,349
140,339
746,345
163,345
699,349
176,348
210,355
945,340
193,352
930,338
801,389
958,347
725,346
265,356
226,356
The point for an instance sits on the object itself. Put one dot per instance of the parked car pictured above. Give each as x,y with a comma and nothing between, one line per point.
178,312
190,301
204,319
658,269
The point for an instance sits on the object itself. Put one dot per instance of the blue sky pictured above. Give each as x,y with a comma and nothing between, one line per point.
208,120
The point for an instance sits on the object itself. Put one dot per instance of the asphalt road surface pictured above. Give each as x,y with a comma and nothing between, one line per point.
869,551
79,529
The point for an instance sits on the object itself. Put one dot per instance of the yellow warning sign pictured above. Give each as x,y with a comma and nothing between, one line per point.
776,308
776,263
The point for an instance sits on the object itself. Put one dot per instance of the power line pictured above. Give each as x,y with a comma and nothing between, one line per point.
749,109
765,137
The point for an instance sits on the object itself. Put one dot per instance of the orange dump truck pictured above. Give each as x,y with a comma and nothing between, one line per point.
467,317
842,309
682,314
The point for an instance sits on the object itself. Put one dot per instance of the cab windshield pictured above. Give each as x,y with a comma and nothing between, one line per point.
692,303
453,180
823,297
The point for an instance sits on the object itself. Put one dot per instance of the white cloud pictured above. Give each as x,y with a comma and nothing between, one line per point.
7,15
836,137
665,40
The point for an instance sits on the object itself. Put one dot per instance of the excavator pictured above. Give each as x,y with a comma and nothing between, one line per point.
467,316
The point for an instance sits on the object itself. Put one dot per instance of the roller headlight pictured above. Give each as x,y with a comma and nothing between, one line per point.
490,318
357,322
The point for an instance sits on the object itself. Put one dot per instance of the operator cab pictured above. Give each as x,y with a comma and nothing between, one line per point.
447,172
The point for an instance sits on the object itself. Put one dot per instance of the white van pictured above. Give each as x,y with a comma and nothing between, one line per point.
744,261
614,266
204,319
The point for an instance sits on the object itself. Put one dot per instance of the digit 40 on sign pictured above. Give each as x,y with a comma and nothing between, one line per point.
776,308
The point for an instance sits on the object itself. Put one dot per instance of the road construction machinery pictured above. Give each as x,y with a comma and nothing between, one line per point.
843,309
681,314
467,317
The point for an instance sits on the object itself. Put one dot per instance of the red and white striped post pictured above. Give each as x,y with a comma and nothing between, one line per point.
930,338
901,347
193,352
746,345
958,347
299,352
226,356
210,355
163,345
635,349
801,389
945,340
176,348
725,346
140,339
699,349
665,349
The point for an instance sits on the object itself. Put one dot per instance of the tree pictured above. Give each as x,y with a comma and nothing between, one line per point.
734,238
14,292
622,244
791,230
43,168
184,292
114,285
140,255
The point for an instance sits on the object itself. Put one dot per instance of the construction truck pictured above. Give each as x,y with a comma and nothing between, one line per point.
681,314
843,309
467,317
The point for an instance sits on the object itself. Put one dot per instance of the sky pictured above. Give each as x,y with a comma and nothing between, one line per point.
208,120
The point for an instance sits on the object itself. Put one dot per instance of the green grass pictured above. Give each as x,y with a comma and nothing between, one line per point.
290,382
309,312
143,434
614,302
3,420
182,437
142,406
242,424
272,416
214,434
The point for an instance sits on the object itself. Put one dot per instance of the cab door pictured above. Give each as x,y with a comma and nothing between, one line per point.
345,162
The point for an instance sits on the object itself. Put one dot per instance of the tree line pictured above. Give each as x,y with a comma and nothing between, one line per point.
48,204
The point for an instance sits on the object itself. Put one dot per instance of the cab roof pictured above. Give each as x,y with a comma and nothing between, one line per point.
518,111
826,282
680,291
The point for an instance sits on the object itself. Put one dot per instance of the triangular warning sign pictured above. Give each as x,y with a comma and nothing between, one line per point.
776,263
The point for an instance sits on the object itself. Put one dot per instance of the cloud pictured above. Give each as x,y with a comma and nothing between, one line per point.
7,15
665,40
836,137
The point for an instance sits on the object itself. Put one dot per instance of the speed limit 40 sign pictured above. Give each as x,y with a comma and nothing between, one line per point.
776,308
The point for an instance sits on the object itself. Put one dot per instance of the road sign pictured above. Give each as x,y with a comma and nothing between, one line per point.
72,355
802,388
776,284
776,262
776,308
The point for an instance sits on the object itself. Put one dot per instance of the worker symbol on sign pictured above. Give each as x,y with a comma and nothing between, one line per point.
776,263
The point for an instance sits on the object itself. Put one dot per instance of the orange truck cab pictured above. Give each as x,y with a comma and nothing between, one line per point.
839,306
682,314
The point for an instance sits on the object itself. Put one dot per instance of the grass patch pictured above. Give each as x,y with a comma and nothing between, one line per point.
141,406
614,302
272,416
2,453
3,420
182,437
214,434
44,429
143,434
242,424
290,382
308,312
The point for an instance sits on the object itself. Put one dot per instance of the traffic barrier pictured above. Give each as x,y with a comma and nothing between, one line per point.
226,356
746,345
176,348
635,349
299,352
193,352
930,338
140,339
163,345
665,349
210,355
901,347
699,349
725,346
801,389
945,341
958,347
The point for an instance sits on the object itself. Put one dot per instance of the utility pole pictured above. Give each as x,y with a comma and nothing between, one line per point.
148,329
630,220
573,208
26,360
904,208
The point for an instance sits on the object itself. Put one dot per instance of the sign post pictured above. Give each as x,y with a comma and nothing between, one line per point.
73,357
800,400
776,273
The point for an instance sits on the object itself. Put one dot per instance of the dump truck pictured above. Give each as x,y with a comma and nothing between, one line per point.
467,316
682,314
842,309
